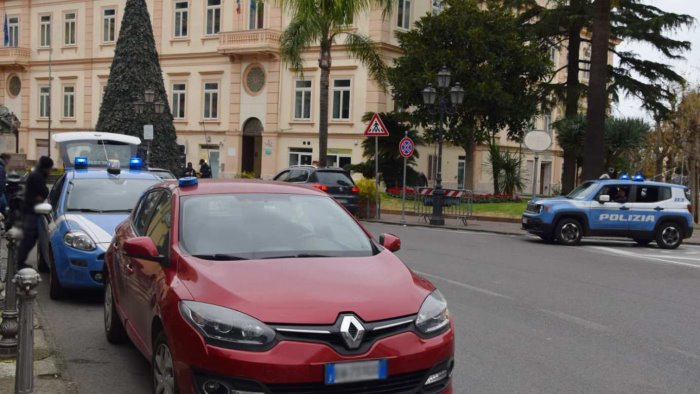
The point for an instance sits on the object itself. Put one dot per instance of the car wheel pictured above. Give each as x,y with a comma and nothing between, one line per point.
643,242
162,367
114,329
569,232
56,290
669,235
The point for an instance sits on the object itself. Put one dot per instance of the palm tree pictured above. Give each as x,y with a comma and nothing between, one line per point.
323,22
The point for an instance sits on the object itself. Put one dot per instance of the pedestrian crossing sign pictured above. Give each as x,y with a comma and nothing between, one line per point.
376,128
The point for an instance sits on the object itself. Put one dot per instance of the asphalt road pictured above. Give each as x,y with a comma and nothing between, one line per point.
606,317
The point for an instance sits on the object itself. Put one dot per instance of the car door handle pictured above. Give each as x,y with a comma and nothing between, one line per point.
624,209
129,268
658,209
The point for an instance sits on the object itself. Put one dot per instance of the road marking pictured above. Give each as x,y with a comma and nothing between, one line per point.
676,257
575,320
466,286
637,256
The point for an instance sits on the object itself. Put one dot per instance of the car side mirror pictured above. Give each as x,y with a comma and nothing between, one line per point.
143,248
43,208
603,198
390,241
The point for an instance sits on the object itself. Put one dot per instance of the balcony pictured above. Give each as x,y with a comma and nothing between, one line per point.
250,42
14,56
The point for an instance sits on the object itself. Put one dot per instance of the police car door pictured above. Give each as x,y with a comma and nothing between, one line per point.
647,206
610,217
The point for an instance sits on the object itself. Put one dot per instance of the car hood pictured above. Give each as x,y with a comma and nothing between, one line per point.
100,227
308,291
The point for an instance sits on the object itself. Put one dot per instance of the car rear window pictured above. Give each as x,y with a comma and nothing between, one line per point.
334,178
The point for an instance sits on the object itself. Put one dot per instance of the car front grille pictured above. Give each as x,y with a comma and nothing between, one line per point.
406,383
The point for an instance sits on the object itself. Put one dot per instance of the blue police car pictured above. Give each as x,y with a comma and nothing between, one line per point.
88,203
631,208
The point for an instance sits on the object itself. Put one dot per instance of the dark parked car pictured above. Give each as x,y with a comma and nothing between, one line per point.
334,181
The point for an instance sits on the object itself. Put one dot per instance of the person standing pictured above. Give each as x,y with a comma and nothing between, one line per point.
189,171
4,162
36,193
204,169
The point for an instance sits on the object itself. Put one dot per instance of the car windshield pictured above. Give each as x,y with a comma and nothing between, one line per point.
582,191
259,226
334,178
105,195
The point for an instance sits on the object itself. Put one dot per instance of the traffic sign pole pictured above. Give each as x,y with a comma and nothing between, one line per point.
375,128
376,177
403,191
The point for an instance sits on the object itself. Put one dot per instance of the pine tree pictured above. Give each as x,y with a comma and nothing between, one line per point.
134,69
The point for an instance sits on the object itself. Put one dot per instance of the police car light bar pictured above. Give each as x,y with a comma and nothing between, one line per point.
638,177
80,163
135,163
625,177
188,181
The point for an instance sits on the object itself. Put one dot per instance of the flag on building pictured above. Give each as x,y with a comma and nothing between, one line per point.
6,31
238,6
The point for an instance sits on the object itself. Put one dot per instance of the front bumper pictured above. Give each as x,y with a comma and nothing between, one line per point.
298,367
80,269
535,225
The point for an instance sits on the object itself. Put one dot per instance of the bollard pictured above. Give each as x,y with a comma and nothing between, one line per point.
26,281
9,325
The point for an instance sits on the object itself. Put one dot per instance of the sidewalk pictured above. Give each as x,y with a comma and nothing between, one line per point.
48,368
486,225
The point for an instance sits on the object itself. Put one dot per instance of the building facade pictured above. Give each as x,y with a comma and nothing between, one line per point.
235,103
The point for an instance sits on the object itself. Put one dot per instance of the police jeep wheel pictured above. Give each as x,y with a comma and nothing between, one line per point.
569,232
669,236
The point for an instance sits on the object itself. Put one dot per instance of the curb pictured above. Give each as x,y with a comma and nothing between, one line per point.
476,230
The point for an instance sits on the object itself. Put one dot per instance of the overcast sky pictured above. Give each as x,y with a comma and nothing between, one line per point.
689,68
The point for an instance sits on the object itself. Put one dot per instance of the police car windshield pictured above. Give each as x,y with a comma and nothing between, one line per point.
105,195
582,191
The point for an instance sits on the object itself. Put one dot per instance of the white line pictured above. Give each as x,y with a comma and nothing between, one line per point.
466,286
641,257
575,320
676,257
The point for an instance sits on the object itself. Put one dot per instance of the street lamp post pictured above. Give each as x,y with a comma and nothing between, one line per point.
456,98
149,106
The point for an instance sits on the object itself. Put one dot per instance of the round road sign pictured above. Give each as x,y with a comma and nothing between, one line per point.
406,147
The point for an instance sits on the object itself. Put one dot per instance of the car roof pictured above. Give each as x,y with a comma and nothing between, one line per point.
101,173
314,168
631,182
238,186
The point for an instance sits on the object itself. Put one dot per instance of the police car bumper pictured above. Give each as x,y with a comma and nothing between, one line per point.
80,269
535,225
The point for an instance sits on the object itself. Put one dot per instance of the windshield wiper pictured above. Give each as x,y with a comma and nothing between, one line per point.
295,256
219,257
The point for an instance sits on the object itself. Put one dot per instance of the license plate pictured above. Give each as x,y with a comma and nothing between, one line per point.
524,220
356,371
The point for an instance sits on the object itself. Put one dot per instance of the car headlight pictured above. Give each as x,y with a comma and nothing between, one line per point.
226,327
79,240
433,316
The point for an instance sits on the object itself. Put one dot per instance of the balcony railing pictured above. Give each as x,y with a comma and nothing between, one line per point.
250,42
14,56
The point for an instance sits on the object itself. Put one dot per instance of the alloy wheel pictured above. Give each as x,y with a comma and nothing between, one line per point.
570,232
163,373
670,235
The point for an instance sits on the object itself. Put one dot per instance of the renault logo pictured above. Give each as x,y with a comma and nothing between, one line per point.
352,331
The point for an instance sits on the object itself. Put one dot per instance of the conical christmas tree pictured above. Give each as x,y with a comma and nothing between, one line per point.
135,69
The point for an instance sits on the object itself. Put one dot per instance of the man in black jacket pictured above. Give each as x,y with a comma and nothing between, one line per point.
35,193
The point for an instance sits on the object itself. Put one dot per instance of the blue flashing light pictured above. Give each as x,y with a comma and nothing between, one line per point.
188,181
625,177
638,177
135,163
80,163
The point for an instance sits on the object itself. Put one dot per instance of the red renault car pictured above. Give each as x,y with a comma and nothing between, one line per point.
252,287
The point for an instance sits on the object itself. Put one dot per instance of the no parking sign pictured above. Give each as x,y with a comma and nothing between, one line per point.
406,147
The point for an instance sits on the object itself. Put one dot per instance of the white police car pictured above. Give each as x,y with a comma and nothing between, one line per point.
637,209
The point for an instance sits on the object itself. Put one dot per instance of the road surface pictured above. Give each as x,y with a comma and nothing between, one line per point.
606,317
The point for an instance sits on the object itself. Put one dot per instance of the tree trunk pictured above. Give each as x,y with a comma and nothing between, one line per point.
324,63
573,95
469,152
660,167
594,147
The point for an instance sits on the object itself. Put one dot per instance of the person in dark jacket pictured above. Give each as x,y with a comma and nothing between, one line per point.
189,171
4,161
204,169
36,193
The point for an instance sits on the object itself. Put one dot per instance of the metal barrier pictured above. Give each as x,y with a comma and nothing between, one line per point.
458,204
